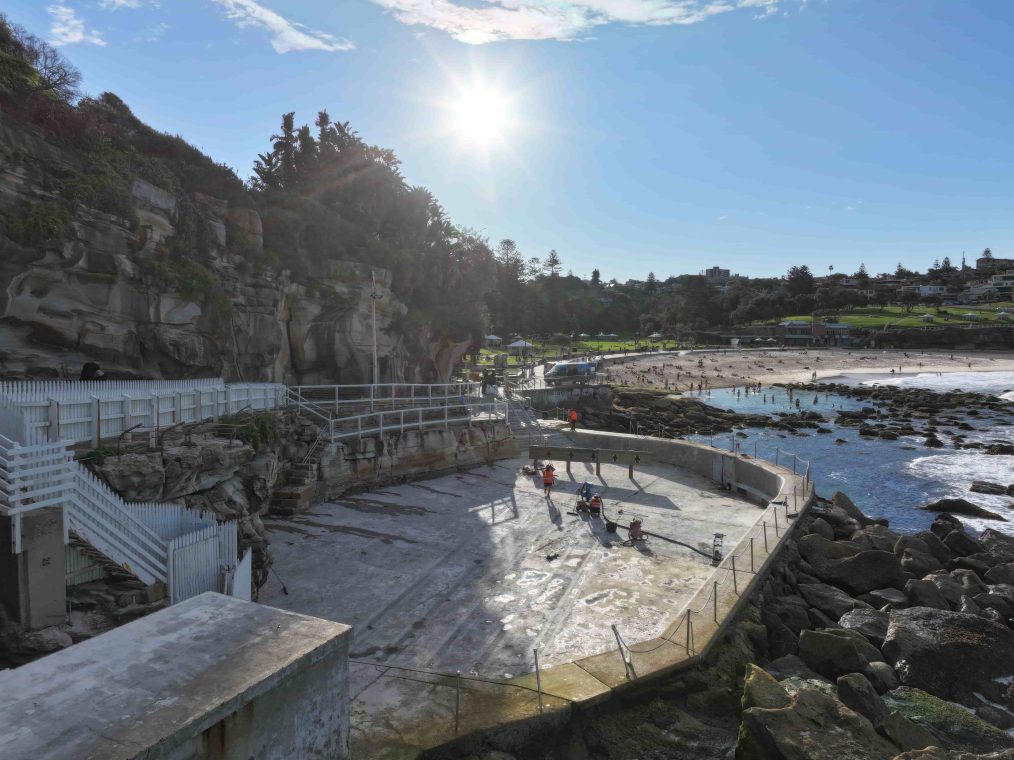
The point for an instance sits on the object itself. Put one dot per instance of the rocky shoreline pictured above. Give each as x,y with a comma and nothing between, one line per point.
881,644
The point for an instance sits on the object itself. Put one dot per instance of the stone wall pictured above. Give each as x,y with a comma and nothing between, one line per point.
414,454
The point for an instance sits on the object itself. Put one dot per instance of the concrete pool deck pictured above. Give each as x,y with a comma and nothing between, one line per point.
454,573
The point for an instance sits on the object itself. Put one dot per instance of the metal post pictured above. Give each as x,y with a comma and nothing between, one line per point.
457,702
755,449
619,646
735,587
374,297
775,513
794,464
714,594
751,555
766,550
538,678
689,634
777,452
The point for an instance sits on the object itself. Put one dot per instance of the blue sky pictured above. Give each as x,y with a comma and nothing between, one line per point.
644,135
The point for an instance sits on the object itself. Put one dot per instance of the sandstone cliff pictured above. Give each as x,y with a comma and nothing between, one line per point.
79,284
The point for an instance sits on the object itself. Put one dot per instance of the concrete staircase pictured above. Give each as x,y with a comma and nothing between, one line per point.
300,489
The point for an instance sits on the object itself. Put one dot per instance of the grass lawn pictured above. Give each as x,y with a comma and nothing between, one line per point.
878,317
579,347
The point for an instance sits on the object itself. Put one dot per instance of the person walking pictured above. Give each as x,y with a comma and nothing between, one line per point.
573,419
548,478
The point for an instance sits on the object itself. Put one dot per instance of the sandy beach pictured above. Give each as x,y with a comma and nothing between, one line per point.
734,367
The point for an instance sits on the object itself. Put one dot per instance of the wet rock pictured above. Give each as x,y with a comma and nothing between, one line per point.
998,546
791,611
836,652
872,624
968,605
946,653
909,542
984,486
829,600
1000,449
944,523
844,503
995,602
962,507
819,620
949,588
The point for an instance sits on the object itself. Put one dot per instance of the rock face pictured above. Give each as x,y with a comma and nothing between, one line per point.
963,507
103,289
947,653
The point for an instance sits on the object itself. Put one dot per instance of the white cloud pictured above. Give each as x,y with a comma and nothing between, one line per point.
285,35
66,28
115,5
485,21
152,32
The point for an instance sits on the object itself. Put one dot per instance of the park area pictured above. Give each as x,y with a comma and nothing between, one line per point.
879,317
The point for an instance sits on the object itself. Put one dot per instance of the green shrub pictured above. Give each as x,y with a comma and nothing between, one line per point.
36,223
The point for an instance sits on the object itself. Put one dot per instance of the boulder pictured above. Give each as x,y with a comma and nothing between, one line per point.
961,543
909,542
862,572
761,690
875,537
818,550
858,694
1001,573
936,546
999,546
905,733
984,486
819,620
815,726
919,563
969,581
836,652
944,524
872,624
946,653
888,596
882,676
995,715
954,727
829,600
949,588
962,507
790,666
969,606
791,611
977,566
822,527
922,593
996,602
844,503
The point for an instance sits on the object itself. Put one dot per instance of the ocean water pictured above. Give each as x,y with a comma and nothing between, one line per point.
884,478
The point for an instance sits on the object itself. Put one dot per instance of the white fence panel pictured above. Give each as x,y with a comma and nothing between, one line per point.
194,564
81,568
242,583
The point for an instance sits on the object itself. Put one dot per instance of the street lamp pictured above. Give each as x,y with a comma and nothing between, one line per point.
374,297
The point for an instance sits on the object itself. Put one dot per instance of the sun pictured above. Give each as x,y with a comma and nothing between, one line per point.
481,115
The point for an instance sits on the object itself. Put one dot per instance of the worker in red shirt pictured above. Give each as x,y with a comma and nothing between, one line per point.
548,478
573,419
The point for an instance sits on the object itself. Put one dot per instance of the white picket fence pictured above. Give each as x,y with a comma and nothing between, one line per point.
188,551
82,412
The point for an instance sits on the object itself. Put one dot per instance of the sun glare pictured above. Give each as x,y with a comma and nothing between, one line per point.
481,115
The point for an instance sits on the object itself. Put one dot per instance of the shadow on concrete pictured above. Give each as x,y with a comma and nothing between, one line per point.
634,496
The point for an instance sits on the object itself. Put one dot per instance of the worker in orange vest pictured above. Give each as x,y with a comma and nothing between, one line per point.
573,419
548,478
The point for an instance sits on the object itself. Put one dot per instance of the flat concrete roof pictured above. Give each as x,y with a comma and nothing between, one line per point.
182,668
455,573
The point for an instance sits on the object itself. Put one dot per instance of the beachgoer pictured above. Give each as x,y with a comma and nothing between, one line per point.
573,419
548,478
